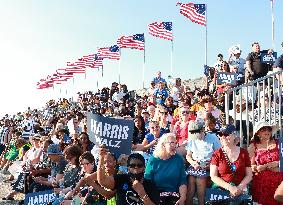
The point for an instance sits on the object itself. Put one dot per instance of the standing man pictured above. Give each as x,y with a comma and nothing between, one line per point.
5,135
158,79
279,61
255,68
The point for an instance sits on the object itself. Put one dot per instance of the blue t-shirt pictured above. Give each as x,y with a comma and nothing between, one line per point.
157,80
161,96
168,175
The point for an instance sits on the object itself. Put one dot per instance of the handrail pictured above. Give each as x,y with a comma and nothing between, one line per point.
253,82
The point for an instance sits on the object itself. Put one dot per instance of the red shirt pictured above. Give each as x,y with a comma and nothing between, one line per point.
224,170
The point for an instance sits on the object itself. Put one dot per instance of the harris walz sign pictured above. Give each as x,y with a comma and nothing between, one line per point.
115,134
225,77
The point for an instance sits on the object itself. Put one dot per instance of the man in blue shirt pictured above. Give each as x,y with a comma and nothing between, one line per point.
279,61
158,79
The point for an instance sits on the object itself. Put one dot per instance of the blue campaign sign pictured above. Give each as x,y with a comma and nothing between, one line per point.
115,134
281,153
268,58
225,77
39,198
216,194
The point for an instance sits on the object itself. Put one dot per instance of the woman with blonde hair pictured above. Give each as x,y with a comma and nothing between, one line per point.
166,169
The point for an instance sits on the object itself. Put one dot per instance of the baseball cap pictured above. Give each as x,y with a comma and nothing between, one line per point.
227,129
194,129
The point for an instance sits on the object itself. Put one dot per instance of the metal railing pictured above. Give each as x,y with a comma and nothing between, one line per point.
258,100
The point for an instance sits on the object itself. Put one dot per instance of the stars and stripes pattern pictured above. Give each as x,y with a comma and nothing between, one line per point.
135,41
161,30
92,61
112,52
195,12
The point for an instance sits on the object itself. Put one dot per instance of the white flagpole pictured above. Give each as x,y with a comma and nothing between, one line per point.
119,75
205,35
272,23
172,58
143,67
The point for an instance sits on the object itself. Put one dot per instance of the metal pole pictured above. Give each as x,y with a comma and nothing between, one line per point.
172,56
272,23
205,34
143,68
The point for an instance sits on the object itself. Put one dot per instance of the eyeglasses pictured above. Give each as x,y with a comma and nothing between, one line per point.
136,165
185,112
194,131
163,113
172,143
87,163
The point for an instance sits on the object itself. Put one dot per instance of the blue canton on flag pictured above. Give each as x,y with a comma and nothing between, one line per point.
200,8
138,37
167,26
114,48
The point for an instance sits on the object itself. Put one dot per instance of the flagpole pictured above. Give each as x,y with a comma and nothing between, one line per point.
205,34
172,57
272,23
143,68
119,75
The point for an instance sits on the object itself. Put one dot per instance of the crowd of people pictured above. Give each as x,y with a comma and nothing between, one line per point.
181,145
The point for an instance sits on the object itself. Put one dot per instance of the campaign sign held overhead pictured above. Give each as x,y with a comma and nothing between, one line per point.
115,134
225,77
268,58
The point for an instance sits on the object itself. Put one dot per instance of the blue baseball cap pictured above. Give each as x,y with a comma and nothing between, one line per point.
227,129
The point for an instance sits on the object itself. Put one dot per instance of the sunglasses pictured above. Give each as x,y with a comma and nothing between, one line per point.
185,112
194,131
136,165
154,128
87,163
163,113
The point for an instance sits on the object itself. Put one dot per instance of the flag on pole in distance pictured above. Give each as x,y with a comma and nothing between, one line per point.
135,41
112,52
92,61
161,30
195,12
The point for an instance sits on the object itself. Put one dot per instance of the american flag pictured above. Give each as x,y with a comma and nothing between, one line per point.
75,67
61,72
194,12
42,84
92,61
161,30
135,42
111,52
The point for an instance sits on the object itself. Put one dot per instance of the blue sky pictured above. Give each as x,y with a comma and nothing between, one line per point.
38,37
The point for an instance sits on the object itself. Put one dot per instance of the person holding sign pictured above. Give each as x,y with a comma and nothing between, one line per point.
230,167
220,88
131,188
264,153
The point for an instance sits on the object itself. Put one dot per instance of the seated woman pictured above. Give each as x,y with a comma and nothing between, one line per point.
199,153
90,194
167,170
130,188
84,142
230,167
264,153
